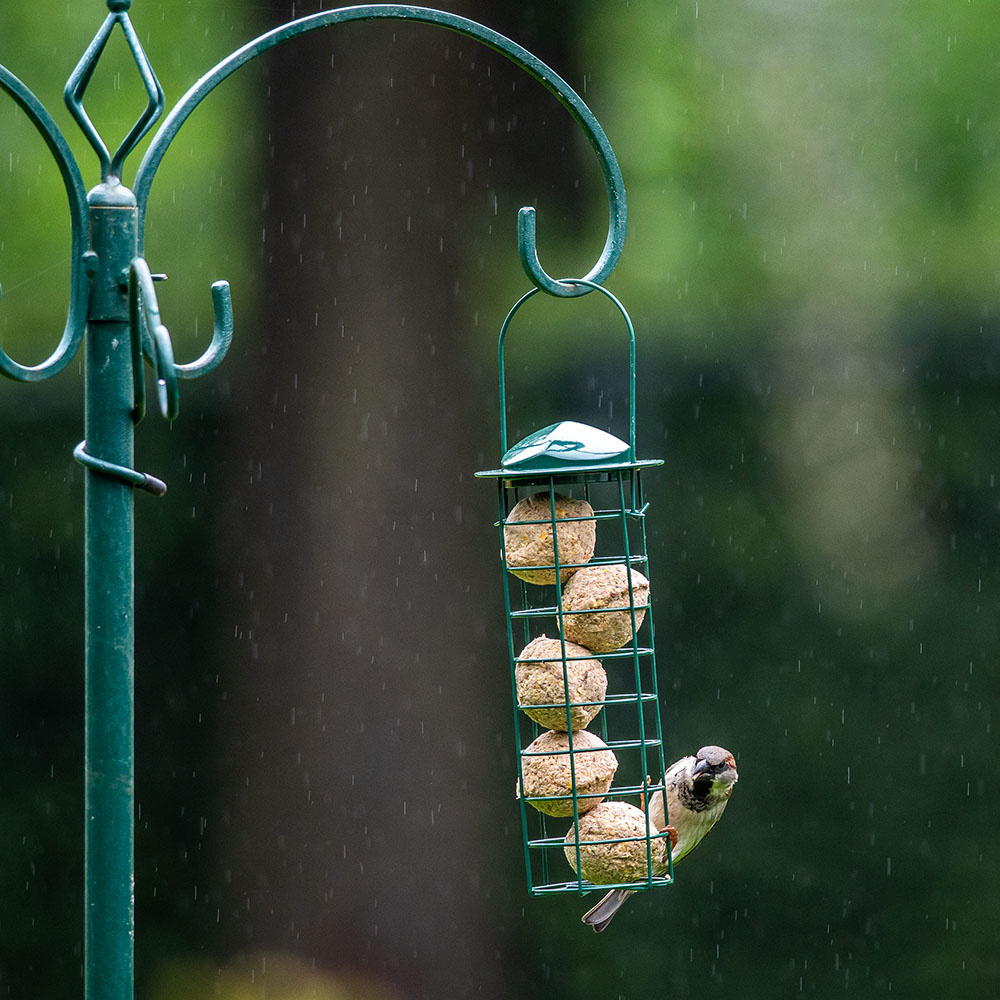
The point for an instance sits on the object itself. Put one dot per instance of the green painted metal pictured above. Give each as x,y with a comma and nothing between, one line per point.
629,722
114,311
108,523
527,241
84,260
565,446
501,367
111,166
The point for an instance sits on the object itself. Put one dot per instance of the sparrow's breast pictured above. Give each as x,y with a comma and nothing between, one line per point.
691,828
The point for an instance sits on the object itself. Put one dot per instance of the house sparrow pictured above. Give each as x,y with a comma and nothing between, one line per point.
698,789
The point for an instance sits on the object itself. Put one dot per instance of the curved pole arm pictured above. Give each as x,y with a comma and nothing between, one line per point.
565,94
83,260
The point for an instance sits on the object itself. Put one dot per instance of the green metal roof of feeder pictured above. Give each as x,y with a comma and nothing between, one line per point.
565,448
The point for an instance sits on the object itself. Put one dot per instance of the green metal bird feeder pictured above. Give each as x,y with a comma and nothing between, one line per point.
572,522
113,308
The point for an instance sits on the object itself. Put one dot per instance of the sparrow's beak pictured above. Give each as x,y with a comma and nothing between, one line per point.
700,767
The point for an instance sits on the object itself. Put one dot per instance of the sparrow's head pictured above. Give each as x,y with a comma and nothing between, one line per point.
713,774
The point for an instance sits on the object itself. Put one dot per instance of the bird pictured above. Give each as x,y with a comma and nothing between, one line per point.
698,788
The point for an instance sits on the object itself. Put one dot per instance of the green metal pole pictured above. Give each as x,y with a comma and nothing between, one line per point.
109,568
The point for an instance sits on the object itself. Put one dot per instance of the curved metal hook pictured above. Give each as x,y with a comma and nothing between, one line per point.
222,334
151,339
83,260
527,245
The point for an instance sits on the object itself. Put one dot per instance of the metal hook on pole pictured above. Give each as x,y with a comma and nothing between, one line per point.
150,339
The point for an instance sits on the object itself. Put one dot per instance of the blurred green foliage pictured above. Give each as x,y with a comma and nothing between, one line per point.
811,268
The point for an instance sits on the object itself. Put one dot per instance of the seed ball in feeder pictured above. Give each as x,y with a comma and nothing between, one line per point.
542,683
624,861
595,587
549,773
531,544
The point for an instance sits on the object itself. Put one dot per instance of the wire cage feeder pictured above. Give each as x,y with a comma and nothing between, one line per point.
572,522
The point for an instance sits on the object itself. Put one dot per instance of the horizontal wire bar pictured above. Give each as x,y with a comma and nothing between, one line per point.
597,515
610,745
614,792
614,699
624,652
566,797
550,842
649,741
550,610
583,886
599,561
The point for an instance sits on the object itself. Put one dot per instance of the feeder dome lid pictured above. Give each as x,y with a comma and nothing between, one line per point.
567,447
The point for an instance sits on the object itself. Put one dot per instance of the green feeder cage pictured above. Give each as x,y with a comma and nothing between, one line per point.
579,482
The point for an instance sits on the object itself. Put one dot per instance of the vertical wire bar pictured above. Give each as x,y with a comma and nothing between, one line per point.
565,671
502,512
109,630
624,512
640,506
634,512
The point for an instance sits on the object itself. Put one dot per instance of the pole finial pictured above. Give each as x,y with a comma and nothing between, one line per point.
76,85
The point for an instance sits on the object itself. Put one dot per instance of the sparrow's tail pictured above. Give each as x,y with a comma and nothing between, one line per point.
600,916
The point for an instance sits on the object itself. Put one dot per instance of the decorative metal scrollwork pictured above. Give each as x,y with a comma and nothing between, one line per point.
527,241
154,337
82,258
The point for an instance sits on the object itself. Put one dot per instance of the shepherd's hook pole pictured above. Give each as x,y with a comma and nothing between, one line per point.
113,309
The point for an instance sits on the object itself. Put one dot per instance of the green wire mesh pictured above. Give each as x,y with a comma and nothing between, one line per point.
629,720
582,463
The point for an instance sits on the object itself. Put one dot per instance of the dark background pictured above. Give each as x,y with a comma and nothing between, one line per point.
324,744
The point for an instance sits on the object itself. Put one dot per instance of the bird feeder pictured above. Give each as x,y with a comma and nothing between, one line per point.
572,523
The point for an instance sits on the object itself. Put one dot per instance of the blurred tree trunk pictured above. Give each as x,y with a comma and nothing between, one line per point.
362,733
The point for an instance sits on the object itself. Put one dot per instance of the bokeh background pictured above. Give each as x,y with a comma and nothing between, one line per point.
324,738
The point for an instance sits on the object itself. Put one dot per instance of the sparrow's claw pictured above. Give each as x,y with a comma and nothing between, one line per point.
642,795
